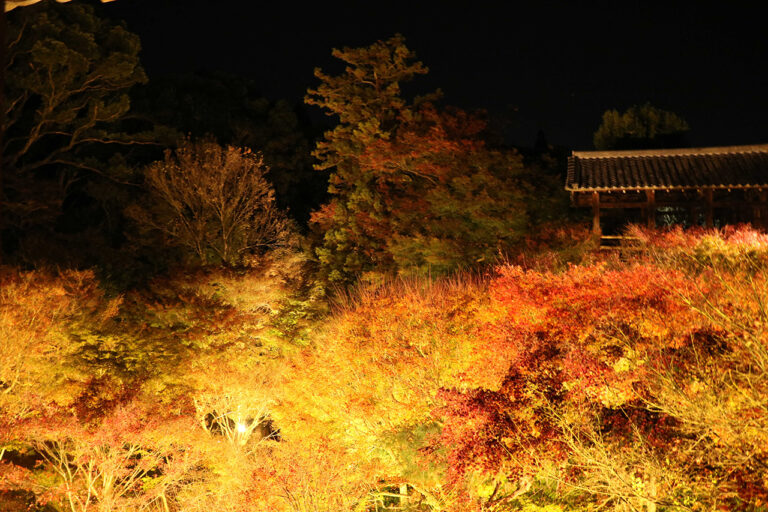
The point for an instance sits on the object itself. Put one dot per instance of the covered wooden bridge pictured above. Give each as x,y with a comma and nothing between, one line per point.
693,186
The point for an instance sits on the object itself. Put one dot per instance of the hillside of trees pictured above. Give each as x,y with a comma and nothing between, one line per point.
634,383
208,302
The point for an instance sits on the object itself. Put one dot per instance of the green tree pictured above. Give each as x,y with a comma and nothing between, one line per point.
640,127
413,188
368,102
67,77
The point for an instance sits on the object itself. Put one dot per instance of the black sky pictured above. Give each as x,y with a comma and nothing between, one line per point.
554,66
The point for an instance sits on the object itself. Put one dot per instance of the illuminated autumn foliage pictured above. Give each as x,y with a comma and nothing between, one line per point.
442,340
159,399
638,385
632,382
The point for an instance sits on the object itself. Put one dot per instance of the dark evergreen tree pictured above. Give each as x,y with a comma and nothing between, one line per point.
65,150
641,127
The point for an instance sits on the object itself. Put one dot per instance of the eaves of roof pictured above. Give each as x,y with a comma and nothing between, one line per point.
721,167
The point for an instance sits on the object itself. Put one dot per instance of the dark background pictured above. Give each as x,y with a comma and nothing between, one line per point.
554,66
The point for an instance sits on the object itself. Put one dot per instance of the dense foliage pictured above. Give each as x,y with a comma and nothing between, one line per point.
414,188
234,378
641,127
635,384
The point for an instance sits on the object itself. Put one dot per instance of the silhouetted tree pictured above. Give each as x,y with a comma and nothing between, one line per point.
213,200
640,127
66,83
231,109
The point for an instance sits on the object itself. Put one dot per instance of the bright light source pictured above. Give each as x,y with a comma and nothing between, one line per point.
241,428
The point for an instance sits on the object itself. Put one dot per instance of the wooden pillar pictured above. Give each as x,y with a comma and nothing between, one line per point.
693,216
710,209
596,214
735,211
650,208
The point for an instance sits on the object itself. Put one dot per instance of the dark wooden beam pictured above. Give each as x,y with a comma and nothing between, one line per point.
693,216
650,208
596,214
754,206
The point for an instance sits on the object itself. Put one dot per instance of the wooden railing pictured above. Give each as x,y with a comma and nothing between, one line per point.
614,242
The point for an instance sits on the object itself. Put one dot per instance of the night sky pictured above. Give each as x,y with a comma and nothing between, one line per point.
554,66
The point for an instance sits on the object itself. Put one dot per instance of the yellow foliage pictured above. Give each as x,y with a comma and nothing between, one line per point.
382,359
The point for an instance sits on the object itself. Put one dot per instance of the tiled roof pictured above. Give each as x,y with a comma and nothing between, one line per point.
723,167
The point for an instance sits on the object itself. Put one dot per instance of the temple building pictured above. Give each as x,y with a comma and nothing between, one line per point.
692,186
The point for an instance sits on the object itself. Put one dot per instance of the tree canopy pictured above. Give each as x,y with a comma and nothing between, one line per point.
413,187
67,80
231,109
640,127
215,201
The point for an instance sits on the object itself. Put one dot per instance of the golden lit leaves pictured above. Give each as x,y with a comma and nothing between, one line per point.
639,382
36,312
130,398
380,363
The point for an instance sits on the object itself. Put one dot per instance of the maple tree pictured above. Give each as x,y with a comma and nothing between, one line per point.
450,200
36,309
124,401
715,386
616,387
569,343
626,385
373,382
123,463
